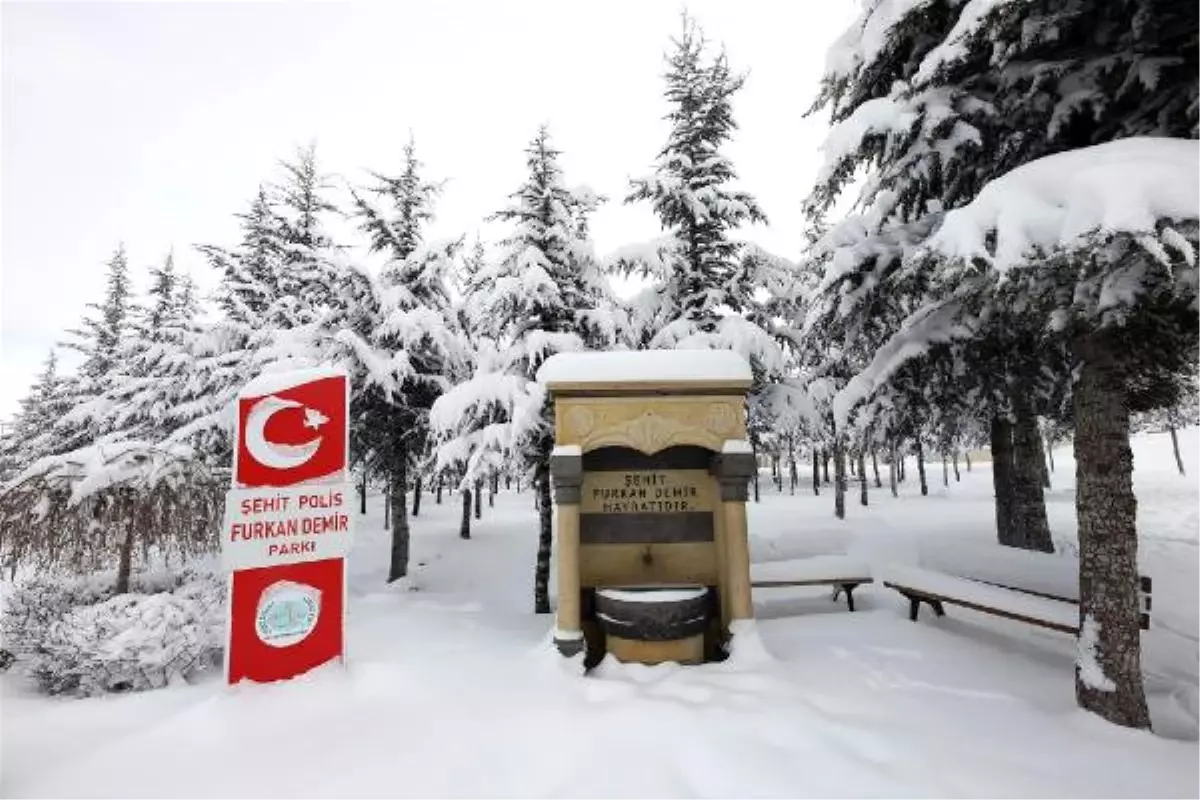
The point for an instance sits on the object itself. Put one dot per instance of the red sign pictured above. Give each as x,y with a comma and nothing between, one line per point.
285,620
292,435
288,526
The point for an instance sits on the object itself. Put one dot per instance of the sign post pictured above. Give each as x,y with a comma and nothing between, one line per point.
288,526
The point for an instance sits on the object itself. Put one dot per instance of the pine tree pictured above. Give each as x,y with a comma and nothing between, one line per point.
701,277
399,336
32,433
541,296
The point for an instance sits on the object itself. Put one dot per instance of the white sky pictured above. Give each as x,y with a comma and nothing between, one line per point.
153,123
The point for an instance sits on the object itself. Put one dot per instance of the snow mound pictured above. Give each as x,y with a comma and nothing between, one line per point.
1125,186
646,366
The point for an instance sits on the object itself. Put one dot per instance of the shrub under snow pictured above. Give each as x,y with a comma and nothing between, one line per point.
77,639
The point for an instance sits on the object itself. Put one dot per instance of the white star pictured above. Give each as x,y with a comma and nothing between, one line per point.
313,418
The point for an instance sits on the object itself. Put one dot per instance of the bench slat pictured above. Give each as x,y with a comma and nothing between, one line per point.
910,591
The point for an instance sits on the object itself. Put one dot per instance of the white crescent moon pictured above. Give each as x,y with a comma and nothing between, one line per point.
272,454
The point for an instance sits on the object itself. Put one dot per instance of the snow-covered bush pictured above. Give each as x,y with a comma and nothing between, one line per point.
76,637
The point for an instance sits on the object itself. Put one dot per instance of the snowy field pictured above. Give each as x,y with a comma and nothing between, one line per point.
452,688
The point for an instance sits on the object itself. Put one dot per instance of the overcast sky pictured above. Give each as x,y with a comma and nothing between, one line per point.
153,123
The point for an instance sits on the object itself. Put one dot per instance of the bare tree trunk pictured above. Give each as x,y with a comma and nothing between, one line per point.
387,507
862,476
945,470
921,467
1029,469
1107,510
125,558
479,498
957,476
892,470
1007,532
541,577
398,567
825,462
362,494
901,456
967,458
875,467
416,512
464,525
438,496
816,473
839,486
1174,445
793,472
507,482
1043,467
493,487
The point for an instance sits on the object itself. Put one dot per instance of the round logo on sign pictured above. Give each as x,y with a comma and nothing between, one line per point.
287,613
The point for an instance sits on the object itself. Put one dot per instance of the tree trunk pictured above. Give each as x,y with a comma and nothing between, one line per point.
839,486
387,507
875,467
464,526
1107,512
125,560
892,470
417,497
398,567
816,473
825,461
479,498
967,458
438,496
541,577
945,470
1029,469
862,476
507,482
1002,479
1174,444
1041,456
921,468
900,455
362,494
793,472
493,487
957,475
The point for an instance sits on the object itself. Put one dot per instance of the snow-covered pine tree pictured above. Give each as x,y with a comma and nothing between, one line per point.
691,193
400,337
100,340
540,297
32,433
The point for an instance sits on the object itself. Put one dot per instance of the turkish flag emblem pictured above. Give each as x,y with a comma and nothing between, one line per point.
292,435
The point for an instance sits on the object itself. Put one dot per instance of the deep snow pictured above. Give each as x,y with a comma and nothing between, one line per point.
452,687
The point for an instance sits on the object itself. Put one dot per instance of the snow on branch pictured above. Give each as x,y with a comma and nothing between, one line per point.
1125,186
931,325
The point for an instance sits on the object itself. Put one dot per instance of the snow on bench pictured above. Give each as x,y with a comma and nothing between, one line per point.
922,585
789,547
841,571
1053,576
1050,575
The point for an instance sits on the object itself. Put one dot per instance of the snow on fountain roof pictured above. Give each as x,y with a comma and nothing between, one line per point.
646,366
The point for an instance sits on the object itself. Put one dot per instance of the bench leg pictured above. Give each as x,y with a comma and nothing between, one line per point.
849,589
936,605
914,605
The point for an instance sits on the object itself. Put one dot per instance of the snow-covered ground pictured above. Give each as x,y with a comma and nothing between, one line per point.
452,688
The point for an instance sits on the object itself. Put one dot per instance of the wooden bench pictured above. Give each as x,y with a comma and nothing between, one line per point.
845,574
935,589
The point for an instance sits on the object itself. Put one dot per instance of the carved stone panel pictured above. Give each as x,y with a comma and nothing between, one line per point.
650,424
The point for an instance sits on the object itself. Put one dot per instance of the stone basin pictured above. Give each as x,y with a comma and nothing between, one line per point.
653,624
